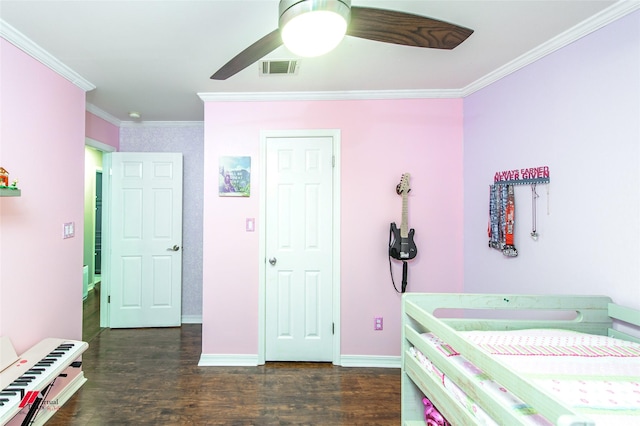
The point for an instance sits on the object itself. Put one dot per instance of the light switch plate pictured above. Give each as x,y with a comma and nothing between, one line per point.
68,230
250,224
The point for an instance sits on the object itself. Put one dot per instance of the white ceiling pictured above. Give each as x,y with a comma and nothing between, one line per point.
156,56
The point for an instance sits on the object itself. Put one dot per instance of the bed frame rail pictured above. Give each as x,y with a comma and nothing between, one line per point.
625,315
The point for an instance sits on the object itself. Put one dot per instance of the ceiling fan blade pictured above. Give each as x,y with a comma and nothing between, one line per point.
248,56
395,27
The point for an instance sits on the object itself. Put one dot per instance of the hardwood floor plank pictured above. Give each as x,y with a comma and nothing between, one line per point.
151,376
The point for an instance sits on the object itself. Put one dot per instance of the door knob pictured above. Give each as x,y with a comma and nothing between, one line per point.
273,260
174,248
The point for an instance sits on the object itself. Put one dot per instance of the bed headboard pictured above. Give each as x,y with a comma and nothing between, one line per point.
588,314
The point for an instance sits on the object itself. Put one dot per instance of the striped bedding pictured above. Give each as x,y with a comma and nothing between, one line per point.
597,376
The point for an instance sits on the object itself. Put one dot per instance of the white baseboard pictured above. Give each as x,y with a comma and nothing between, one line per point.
228,360
378,361
192,319
251,360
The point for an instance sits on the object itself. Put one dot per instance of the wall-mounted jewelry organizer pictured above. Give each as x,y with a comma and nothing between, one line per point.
502,205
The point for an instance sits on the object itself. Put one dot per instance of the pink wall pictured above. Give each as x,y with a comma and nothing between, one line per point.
380,140
42,145
578,112
101,130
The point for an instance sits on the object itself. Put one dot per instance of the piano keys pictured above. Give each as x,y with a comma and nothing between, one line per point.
23,378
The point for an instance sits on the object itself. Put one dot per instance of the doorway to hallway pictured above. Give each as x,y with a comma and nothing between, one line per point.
92,252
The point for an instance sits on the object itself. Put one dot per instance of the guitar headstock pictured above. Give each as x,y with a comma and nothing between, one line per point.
403,186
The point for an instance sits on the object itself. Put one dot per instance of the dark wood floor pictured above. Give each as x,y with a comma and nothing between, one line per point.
151,376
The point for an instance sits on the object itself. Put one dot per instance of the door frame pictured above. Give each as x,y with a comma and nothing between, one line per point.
262,256
106,241
105,276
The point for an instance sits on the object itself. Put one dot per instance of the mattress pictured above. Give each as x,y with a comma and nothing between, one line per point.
597,376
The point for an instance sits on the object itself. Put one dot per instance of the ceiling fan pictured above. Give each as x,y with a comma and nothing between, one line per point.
383,25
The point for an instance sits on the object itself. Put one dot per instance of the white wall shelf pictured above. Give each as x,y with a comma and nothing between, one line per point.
6,192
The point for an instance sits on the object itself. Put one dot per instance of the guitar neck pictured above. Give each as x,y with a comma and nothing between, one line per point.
404,226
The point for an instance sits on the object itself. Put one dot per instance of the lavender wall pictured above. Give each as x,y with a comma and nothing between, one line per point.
41,144
189,141
380,140
578,112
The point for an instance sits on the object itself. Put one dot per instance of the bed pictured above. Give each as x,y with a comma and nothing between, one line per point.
472,357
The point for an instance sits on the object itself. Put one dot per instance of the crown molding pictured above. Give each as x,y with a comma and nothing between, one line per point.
132,124
328,96
586,27
23,43
103,114
121,124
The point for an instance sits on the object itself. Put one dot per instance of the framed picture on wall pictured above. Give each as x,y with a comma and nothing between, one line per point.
234,177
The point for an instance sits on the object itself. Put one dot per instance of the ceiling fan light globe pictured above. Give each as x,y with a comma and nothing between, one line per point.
314,33
313,27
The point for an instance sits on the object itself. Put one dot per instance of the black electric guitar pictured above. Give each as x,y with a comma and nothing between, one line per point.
401,245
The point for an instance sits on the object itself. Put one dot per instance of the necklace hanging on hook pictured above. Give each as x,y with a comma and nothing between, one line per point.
534,203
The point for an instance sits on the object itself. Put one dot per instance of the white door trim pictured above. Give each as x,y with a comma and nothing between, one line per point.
105,276
106,237
100,146
262,258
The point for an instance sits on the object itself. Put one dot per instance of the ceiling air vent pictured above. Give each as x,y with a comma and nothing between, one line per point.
279,67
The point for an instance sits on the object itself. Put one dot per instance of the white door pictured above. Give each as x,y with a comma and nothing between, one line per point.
299,241
146,239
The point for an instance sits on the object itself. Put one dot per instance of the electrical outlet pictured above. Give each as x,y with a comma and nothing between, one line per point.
377,325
